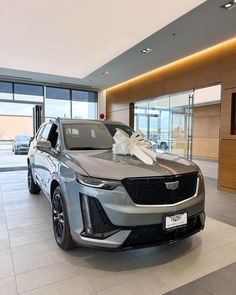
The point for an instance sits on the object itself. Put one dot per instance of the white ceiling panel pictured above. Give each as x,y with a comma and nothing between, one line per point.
74,38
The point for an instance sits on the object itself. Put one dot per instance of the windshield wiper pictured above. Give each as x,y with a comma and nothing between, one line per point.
89,148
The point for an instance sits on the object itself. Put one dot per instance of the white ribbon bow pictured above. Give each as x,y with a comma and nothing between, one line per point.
135,145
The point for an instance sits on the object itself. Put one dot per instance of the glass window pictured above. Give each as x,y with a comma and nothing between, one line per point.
114,127
86,96
28,92
84,104
17,109
86,136
84,110
57,103
6,90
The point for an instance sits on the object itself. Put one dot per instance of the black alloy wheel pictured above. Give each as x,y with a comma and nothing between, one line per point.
60,221
32,186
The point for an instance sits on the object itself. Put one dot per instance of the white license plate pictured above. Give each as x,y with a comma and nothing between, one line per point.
176,220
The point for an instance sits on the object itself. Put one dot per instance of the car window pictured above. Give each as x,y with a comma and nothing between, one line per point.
79,136
112,128
39,132
46,131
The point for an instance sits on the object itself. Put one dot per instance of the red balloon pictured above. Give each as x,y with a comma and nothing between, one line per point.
102,116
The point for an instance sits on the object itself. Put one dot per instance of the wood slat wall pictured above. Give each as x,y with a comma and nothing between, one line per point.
209,67
206,127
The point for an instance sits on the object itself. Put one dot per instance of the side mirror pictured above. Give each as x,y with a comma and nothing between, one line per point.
44,145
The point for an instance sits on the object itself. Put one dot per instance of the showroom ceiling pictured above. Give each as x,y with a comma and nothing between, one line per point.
78,41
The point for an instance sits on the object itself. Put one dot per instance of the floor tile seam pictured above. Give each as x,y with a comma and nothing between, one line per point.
41,267
45,267
11,257
199,277
30,234
30,243
25,244
55,282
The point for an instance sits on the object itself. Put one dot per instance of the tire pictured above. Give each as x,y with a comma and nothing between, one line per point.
15,152
61,226
163,146
32,186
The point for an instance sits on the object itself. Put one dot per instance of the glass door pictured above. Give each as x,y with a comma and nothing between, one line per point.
181,105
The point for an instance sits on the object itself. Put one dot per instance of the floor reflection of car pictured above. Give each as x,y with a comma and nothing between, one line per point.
20,144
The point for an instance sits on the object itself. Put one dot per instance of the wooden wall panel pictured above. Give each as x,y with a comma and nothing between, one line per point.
206,125
227,163
212,66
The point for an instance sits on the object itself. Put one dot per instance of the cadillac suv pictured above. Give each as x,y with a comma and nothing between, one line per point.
102,199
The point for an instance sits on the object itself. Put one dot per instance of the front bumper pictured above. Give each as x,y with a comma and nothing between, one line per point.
106,234
121,224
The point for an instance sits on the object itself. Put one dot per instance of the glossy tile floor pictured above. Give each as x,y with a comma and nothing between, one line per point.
32,263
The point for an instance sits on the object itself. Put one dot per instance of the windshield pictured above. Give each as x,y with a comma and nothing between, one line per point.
86,136
114,127
22,138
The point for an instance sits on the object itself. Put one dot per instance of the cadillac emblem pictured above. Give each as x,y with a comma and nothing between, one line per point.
172,185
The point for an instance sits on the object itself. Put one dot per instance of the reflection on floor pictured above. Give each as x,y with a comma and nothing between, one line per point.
31,262
8,159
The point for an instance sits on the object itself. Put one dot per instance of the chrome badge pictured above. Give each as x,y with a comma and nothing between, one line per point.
172,185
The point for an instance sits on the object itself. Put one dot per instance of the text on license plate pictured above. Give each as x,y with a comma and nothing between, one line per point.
176,220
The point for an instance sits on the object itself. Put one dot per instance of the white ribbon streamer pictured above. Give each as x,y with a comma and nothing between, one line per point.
135,145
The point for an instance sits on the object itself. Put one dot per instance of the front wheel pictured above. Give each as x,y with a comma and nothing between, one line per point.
60,221
32,186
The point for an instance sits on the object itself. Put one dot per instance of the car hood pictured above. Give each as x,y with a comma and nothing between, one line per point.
105,164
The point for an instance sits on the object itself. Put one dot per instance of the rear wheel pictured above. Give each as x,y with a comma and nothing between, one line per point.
60,221
32,186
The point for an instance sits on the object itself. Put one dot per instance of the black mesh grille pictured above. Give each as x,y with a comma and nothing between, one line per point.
100,222
153,191
155,234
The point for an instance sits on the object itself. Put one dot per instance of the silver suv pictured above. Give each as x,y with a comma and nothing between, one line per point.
113,201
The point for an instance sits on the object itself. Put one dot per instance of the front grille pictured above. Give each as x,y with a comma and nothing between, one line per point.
24,145
153,190
155,234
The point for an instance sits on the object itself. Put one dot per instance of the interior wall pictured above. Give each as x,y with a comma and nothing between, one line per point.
212,66
206,128
10,126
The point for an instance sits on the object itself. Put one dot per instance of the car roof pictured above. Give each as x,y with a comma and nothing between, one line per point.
69,121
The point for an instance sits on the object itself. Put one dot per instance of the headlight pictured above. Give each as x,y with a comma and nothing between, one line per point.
97,183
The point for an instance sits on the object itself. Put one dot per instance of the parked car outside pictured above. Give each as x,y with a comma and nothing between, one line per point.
20,145
101,199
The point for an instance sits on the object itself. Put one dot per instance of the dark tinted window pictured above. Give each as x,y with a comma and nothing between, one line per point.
5,87
86,136
28,89
57,93
114,127
85,96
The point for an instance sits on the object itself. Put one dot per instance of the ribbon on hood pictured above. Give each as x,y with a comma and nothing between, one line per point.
135,145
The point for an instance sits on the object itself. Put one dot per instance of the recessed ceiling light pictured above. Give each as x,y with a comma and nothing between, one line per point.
105,73
146,50
229,5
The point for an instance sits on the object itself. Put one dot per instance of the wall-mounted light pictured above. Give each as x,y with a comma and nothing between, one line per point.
106,73
229,5
146,50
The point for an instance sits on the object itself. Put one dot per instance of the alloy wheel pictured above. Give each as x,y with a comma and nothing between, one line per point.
58,217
